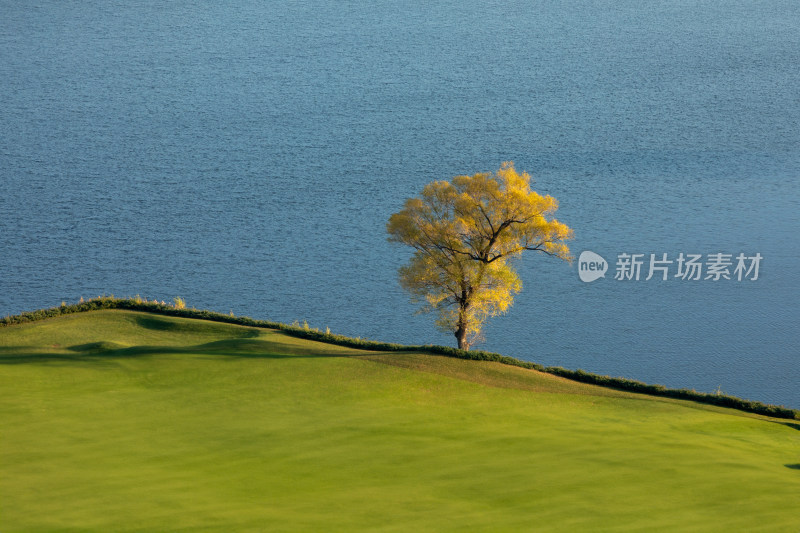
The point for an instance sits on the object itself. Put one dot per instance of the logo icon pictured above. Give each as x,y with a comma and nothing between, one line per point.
591,266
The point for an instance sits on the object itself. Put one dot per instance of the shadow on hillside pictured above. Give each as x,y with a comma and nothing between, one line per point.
158,323
795,466
243,348
787,424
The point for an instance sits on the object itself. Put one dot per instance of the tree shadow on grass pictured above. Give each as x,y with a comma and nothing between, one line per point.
233,348
255,349
795,466
158,323
787,424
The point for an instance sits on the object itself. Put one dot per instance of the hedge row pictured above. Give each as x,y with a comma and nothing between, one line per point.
137,304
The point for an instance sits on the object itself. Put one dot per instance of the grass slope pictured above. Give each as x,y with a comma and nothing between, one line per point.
128,421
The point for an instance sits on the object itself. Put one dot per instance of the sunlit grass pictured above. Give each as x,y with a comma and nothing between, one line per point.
125,421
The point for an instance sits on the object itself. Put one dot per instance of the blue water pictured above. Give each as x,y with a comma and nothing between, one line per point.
247,155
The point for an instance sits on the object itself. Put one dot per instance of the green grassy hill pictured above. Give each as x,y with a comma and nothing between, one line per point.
118,420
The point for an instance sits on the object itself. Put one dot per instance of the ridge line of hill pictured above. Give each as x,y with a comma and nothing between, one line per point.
139,304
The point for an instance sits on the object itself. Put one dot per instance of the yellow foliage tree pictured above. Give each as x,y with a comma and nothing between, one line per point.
465,234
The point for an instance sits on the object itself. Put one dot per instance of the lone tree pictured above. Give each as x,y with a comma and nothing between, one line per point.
465,234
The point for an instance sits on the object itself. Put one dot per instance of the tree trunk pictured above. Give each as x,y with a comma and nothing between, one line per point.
461,328
461,336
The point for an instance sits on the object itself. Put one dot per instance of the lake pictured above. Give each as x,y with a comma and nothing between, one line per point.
247,155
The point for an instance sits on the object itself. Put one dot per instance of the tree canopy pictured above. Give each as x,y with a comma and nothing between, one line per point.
465,234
